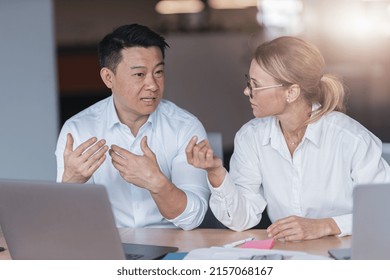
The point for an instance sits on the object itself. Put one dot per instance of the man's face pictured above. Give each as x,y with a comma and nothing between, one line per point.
138,83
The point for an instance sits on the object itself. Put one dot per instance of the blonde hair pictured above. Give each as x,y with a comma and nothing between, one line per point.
290,60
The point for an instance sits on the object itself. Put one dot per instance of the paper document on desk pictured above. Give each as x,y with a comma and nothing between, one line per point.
221,253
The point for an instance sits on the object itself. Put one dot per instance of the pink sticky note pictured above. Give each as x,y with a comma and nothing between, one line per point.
259,244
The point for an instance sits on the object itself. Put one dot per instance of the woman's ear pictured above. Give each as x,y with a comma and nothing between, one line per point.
107,76
294,91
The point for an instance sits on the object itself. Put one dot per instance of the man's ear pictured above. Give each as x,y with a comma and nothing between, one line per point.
293,93
107,76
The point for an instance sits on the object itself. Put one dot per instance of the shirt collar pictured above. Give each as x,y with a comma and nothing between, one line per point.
113,119
270,131
314,130
153,116
273,132
112,116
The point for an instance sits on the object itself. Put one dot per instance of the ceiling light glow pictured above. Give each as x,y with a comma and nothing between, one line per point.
167,7
232,4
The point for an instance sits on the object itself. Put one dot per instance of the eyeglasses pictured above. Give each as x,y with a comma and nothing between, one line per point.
249,86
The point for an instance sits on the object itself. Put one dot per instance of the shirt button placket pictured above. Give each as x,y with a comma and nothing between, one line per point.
297,182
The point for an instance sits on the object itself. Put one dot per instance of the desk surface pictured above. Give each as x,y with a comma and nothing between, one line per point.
202,238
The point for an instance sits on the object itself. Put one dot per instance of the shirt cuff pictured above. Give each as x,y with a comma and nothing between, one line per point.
344,223
225,189
189,218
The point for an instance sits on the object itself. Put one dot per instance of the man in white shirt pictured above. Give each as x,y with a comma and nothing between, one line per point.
133,142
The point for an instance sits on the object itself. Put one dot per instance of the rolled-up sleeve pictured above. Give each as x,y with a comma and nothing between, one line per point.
191,180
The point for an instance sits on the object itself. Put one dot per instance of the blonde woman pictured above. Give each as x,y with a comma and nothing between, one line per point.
301,156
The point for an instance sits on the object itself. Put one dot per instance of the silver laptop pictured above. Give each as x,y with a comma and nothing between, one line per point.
371,227
46,220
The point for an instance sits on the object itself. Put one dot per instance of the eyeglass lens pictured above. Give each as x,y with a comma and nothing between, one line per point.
248,85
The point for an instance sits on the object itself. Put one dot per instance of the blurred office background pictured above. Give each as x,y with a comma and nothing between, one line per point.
211,43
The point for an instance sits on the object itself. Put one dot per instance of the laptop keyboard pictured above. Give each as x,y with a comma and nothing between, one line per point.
133,256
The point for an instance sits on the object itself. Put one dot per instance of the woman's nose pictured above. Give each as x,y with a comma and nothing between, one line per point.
247,92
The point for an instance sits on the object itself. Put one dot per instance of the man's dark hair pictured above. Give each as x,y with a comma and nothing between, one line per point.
127,36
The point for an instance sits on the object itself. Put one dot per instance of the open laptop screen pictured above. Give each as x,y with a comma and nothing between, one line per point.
47,220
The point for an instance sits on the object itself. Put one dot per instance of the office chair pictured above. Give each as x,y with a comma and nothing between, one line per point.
265,221
210,221
215,140
386,152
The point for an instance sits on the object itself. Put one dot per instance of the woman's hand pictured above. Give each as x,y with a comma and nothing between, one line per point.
295,228
201,155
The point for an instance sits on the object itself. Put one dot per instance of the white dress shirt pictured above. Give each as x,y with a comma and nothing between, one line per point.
335,154
169,129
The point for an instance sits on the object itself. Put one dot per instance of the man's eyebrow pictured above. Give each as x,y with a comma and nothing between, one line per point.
139,66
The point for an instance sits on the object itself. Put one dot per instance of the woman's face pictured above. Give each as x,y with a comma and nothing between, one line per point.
269,101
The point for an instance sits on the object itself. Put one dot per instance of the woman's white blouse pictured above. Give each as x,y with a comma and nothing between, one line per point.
336,154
